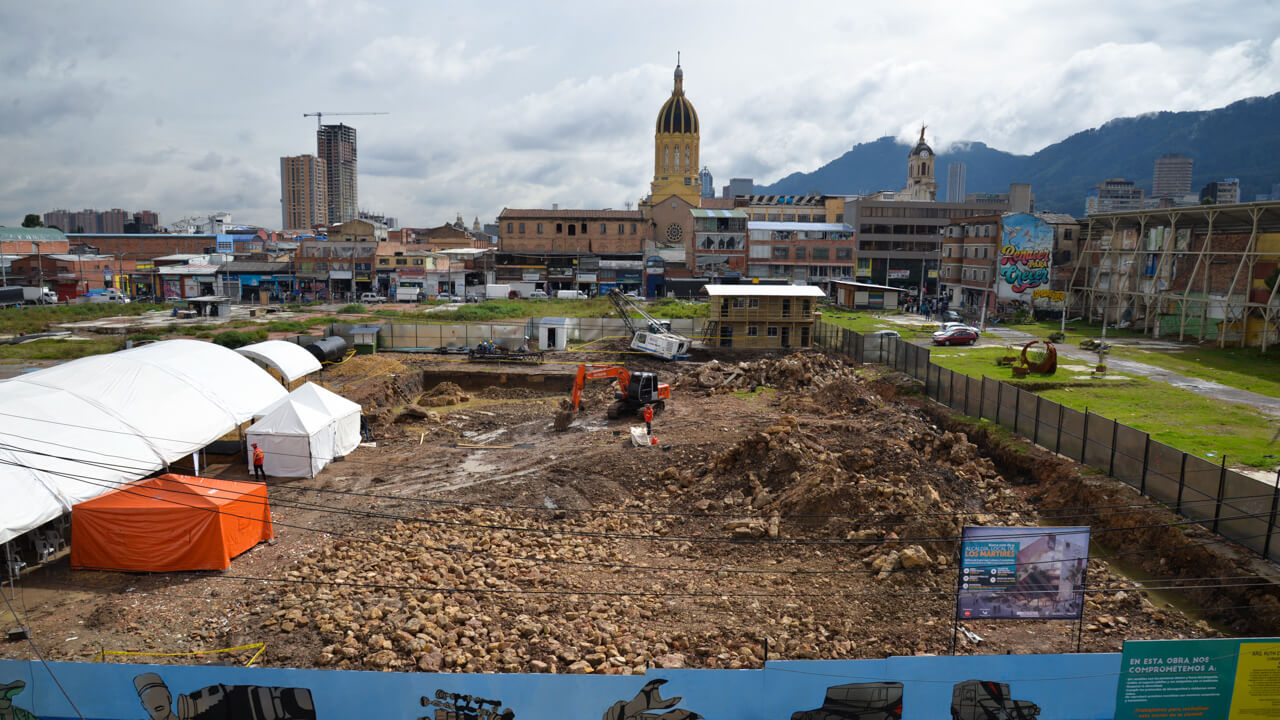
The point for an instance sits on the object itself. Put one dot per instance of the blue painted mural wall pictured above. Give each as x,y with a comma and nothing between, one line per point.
1062,686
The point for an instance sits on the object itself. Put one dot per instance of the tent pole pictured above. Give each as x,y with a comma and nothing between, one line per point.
195,461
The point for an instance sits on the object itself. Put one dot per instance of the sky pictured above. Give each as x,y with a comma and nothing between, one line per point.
185,108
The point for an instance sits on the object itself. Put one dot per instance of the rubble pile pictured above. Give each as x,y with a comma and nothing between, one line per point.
443,394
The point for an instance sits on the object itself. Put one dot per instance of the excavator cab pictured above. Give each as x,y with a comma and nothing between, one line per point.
642,389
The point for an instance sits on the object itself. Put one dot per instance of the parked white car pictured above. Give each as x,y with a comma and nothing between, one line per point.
538,295
371,298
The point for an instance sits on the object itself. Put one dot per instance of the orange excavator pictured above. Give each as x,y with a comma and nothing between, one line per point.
635,390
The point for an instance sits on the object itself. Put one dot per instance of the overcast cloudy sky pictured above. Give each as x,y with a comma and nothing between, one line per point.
186,107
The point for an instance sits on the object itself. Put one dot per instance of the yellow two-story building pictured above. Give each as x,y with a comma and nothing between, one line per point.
760,317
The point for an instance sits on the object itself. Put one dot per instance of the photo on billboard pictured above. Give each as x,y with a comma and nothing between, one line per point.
1022,573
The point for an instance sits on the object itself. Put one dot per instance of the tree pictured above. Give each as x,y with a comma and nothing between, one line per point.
32,220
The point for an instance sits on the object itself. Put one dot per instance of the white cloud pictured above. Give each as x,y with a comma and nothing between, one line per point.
187,108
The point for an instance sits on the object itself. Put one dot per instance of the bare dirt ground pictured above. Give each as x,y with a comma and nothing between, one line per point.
794,507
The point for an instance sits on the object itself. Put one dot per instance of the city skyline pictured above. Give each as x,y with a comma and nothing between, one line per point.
514,114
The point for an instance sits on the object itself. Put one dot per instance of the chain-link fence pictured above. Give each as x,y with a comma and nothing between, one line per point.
1236,506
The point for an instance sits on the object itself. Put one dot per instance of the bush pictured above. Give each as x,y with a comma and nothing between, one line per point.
353,308
235,338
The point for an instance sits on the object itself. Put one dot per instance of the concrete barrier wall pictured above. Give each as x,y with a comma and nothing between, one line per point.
1063,686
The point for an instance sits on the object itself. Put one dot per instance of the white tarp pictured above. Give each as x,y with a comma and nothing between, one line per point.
345,414
297,440
291,361
74,431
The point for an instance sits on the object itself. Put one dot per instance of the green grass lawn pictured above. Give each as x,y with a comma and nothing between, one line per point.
491,310
1245,368
865,322
39,318
1179,418
60,349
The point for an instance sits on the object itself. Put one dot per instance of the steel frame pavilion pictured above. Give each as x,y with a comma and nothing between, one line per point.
1132,264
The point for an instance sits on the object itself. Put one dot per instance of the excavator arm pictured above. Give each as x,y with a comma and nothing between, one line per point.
595,372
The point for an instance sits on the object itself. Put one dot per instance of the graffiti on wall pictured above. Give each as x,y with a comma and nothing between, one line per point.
1026,255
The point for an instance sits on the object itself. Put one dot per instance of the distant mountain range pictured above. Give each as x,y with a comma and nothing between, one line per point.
1241,140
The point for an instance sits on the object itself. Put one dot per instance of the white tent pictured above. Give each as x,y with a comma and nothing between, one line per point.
291,361
297,440
72,432
346,415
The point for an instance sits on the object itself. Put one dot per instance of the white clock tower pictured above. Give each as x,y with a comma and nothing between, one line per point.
920,183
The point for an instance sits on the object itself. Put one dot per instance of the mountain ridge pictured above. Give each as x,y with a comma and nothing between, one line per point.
1239,140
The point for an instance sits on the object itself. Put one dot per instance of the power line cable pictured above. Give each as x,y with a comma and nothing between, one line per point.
31,641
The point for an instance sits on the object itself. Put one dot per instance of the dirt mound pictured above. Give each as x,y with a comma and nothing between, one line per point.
363,366
793,372
445,393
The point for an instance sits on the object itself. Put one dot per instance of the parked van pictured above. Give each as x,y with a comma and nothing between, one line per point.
571,295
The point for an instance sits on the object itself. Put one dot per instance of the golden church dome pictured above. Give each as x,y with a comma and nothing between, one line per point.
677,114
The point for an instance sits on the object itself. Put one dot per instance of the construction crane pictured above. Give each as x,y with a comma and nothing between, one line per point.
655,337
319,116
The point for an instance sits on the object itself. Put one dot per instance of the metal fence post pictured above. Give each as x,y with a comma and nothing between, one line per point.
1058,442
1222,488
1115,433
999,400
1271,522
982,396
1036,429
1146,458
951,389
1084,442
1182,482
1017,408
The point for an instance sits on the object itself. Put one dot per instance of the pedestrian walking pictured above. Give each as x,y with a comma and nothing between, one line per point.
648,419
365,435
259,457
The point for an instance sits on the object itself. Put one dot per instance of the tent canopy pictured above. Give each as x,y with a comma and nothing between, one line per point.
343,411
297,439
291,361
72,432
170,523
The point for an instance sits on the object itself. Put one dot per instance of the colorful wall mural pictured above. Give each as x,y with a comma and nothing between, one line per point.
1026,256
1044,687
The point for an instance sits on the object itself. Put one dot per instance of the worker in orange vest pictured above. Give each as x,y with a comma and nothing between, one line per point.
648,419
258,458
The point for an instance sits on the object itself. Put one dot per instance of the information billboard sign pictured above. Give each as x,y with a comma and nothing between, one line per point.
1208,679
1022,573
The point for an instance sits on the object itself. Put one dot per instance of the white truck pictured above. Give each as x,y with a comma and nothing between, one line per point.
497,292
109,295
571,295
16,295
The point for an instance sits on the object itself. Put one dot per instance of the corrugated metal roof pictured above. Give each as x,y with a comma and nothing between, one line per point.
23,234
871,286
809,226
719,213
510,213
763,291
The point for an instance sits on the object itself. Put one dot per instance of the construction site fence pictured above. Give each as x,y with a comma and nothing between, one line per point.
409,337
1236,506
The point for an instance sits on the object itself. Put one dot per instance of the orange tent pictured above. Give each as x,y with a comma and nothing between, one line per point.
167,523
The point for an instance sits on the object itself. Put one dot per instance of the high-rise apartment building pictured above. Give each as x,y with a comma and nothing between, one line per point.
1172,176
1113,195
113,221
1222,192
304,192
955,182
708,183
336,146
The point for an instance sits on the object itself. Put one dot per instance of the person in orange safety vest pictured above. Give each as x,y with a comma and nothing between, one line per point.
648,419
258,458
